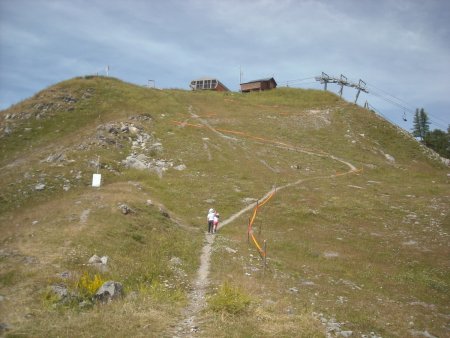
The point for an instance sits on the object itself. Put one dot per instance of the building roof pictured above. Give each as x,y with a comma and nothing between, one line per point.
261,80
206,78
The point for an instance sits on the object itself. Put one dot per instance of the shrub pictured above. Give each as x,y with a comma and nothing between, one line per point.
229,299
88,285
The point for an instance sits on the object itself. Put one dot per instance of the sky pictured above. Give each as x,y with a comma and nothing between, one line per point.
399,48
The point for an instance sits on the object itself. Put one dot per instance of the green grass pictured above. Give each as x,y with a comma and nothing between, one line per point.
367,249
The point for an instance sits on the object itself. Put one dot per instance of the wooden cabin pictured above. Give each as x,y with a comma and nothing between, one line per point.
207,83
258,85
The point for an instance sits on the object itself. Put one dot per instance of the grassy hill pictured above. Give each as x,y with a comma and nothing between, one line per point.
364,251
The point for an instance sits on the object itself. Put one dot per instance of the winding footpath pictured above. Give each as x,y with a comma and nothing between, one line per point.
190,324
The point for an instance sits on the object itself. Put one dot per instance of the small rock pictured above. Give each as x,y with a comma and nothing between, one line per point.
149,203
109,291
4,327
345,333
125,209
390,158
60,290
85,304
230,250
39,187
95,260
164,213
249,200
293,290
104,260
330,254
176,261
65,274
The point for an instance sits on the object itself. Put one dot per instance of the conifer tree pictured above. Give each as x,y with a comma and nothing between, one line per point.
421,124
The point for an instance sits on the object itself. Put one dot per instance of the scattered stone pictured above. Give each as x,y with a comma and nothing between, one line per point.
425,333
149,203
39,187
330,254
65,274
346,333
293,290
85,304
410,242
249,200
30,260
230,250
180,167
84,216
98,260
133,162
58,157
125,209
164,212
7,130
109,291
210,201
95,260
4,327
176,261
308,283
60,290
390,158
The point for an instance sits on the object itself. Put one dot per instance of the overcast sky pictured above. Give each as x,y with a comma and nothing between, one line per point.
400,48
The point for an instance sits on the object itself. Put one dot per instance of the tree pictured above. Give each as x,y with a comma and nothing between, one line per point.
439,141
421,124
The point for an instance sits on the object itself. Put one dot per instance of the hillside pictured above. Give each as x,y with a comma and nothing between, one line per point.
357,231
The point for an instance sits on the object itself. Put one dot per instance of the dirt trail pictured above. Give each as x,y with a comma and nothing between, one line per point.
197,297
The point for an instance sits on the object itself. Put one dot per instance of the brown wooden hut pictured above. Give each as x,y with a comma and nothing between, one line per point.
258,85
208,83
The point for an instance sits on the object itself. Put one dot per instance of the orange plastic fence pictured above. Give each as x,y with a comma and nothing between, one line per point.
250,233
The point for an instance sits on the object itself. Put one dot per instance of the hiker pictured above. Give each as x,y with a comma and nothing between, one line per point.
216,221
210,219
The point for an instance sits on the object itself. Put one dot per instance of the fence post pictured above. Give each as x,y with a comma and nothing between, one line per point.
265,254
248,232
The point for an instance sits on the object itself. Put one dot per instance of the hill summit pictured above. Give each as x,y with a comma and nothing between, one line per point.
355,230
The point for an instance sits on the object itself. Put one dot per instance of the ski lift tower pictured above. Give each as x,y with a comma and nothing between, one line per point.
361,86
325,79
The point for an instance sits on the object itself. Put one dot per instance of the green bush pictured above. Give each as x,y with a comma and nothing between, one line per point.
229,299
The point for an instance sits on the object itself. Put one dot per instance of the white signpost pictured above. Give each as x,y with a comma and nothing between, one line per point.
97,178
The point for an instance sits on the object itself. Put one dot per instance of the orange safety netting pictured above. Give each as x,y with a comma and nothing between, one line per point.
250,234
258,205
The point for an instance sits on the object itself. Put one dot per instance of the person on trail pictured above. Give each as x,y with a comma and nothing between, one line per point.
216,221
210,219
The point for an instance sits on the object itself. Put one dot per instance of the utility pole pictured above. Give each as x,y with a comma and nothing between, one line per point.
324,78
361,86
343,82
